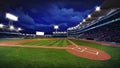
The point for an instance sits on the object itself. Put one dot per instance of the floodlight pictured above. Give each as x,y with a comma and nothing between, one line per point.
97,8
11,17
68,29
65,32
84,20
78,25
56,26
72,28
89,16
19,29
11,28
81,23
1,25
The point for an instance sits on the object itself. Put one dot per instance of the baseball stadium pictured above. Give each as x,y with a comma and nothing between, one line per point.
59,34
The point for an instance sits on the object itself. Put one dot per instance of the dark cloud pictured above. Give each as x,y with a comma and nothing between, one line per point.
42,15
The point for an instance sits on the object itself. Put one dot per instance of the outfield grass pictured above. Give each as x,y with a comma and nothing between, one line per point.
13,57
48,42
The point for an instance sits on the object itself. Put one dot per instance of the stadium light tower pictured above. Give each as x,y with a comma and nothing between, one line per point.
11,18
56,27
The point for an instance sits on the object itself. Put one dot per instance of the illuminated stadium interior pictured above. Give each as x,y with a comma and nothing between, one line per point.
59,33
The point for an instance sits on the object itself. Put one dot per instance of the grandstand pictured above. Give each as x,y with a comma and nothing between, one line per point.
59,34
100,25
6,33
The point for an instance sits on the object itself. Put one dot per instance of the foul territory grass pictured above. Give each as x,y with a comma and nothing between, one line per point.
48,42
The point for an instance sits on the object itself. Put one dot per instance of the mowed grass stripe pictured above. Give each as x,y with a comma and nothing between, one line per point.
51,44
57,43
41,42
30,43
65,42
62,43
46,42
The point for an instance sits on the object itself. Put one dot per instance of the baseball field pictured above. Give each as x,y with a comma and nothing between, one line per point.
57,53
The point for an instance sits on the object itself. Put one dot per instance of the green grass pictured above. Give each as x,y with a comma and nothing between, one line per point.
13,57
48,42
6,40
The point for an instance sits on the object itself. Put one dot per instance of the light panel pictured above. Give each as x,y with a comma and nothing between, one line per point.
56,26
39,33
11,17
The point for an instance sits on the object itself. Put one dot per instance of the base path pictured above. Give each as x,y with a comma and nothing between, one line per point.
87,52
81,51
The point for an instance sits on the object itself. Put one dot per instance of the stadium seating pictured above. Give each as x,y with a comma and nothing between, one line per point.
105,29
7,33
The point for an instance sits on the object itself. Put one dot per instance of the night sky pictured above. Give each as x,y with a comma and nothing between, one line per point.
42,15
